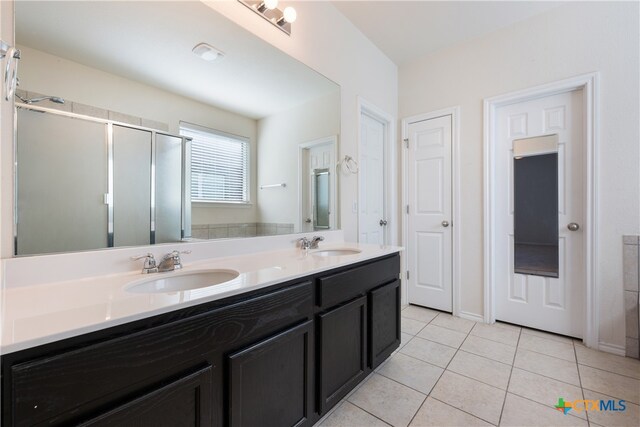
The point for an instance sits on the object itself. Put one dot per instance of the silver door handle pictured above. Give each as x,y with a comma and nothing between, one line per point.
573,226
308,220
383,222
445,223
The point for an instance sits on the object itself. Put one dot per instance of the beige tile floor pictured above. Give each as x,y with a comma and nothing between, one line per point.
450,371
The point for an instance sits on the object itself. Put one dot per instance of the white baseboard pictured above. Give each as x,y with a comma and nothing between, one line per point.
612,348
471,316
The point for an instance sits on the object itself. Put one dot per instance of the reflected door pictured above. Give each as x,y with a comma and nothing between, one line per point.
321,199
371,215
318,187
540,280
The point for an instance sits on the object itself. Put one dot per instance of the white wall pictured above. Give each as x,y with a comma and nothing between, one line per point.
279,136
573,39
326,41
97,88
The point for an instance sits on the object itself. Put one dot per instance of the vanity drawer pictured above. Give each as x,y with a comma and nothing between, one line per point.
340,287
62,387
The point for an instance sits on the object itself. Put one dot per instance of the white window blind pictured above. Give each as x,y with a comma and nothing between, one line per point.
219,165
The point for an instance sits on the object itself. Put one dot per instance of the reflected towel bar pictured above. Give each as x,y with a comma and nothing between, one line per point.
273,185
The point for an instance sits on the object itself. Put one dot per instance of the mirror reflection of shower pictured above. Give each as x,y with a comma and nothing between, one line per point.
55,99
535,213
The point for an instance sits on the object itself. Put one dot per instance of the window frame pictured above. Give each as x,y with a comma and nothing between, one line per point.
191,127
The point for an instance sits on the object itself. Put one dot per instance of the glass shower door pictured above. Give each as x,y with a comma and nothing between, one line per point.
61,184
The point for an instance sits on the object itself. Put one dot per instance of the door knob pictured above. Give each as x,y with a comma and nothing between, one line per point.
573,226
383,222
308,220
445,223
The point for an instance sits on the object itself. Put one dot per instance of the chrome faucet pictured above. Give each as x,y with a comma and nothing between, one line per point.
169,262
149,263
310,244
315,241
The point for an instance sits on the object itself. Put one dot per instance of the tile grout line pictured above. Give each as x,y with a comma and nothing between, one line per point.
458,373
549,355
494,341
352,392
434,384
405,385
545,376
362,409
447,369
513,361
484,357
461,410
605,370
538,403
575,354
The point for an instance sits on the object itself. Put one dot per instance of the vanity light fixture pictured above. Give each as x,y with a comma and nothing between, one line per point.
268,9
207,52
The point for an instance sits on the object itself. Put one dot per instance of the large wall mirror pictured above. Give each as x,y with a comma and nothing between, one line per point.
153,122
535,211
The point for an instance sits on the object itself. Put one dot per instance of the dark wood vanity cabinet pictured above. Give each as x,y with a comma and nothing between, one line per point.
384,322
343,351
185,402
279,356
271,382
359,325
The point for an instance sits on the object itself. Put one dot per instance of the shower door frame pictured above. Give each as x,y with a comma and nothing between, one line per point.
589,84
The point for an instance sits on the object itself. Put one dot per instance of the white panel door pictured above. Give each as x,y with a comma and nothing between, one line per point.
546,303
371,219
429,218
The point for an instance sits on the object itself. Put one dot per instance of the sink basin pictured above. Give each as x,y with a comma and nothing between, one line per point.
182,281
336,252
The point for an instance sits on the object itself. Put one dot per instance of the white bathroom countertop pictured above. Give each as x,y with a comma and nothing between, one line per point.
44,313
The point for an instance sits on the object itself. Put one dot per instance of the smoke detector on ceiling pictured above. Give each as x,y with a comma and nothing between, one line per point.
207,52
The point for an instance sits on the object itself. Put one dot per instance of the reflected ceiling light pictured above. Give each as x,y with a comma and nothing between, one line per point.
207,52
289,15
270,4
268,9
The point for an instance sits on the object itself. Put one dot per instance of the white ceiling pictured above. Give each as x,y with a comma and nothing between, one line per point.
408,30
151,42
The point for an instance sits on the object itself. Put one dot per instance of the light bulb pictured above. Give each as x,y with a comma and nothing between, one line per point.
270,4
289,14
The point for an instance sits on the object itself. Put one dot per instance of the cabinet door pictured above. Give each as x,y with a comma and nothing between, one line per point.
185,402
343,349
384,322
270,383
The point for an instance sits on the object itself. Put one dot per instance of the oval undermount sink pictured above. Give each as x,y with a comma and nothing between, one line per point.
183,281
337,252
